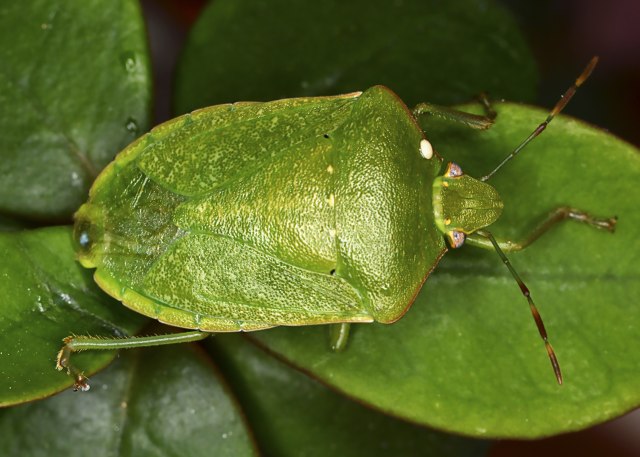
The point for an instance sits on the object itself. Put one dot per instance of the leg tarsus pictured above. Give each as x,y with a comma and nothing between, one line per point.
80,381
339,336
483,99
560,214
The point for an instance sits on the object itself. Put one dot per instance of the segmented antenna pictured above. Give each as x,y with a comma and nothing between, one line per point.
534,311
564,100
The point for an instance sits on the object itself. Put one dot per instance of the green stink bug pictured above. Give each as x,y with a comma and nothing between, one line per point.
321,210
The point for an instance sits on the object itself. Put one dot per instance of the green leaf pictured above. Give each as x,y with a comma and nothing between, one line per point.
467,357
441,52
47,296
74,89
289,412
163,401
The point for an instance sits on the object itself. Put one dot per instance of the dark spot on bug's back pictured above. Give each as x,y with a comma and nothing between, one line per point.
326,135
332,272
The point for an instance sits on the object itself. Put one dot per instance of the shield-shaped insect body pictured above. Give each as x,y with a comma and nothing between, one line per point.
252,215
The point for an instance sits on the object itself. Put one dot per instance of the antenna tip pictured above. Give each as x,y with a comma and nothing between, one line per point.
587,71
554,362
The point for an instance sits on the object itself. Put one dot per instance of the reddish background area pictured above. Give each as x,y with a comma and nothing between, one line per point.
563,35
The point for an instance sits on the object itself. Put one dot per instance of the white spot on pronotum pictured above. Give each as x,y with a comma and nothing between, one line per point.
426,150
330,169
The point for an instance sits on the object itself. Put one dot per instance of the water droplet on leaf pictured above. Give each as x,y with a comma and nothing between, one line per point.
128,59
132,126
76,179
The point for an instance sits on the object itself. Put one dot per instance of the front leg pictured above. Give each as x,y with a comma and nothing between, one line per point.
560,214
470,120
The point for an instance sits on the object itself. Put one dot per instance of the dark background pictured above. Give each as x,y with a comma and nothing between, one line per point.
565,34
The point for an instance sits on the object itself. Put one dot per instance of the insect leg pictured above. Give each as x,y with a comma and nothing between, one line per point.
534,310
339,335
560,214
82,343
473,121
483,99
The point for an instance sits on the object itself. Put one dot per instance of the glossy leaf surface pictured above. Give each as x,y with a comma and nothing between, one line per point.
159,402
292,414
74,90
441,52
47,296
467,357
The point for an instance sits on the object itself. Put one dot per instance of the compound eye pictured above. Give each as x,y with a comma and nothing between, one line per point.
83,240
456,239
82,236
453,170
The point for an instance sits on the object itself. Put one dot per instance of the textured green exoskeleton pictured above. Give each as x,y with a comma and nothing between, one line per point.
251,215
293,212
